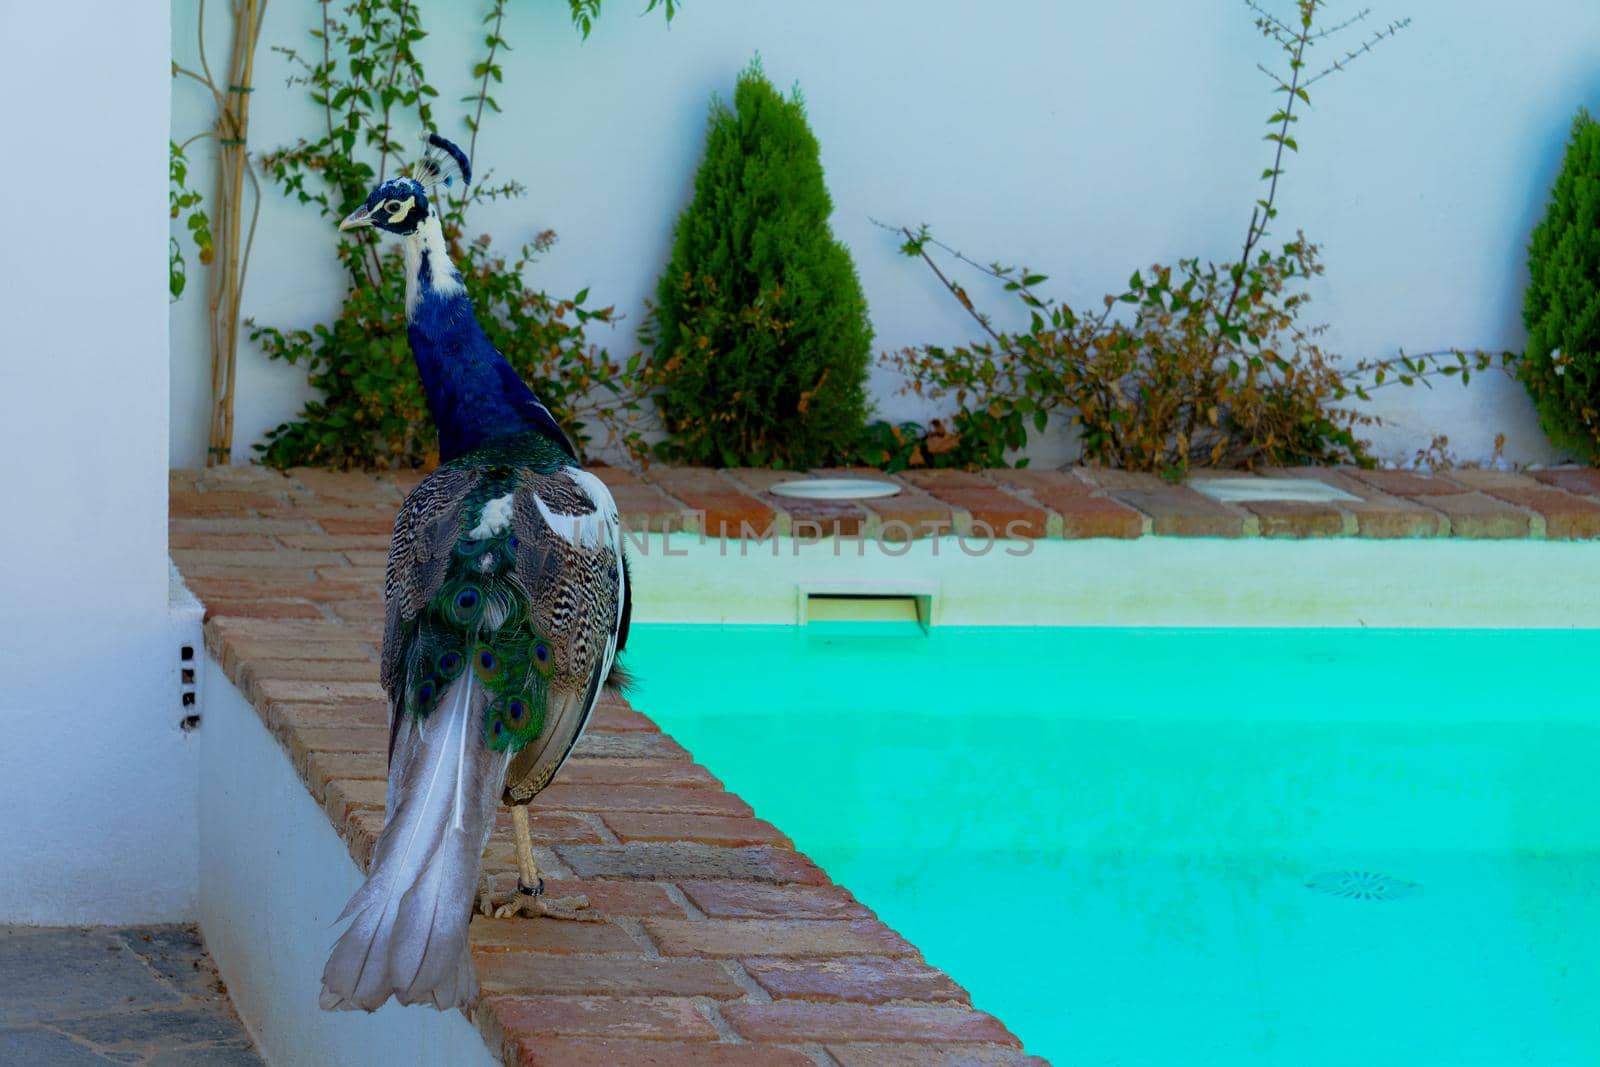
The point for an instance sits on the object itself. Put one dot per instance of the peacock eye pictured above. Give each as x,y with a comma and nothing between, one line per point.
392,206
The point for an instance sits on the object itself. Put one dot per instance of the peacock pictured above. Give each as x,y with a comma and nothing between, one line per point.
507,602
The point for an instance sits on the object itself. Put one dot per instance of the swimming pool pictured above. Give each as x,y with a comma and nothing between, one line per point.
1172,846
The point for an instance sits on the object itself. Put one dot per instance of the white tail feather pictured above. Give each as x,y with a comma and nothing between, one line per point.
408,937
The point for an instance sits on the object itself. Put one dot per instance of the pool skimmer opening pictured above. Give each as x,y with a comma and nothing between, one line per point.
899,605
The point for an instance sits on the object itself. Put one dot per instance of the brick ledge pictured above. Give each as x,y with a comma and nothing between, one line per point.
718,942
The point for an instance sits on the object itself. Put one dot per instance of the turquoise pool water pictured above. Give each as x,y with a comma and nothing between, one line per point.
1178,847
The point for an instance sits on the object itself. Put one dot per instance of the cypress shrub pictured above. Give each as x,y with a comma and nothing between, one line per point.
761,338
1561,366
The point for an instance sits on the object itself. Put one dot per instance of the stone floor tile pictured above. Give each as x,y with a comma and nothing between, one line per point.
34,1046
208,1056
61,974
135,995
160,1028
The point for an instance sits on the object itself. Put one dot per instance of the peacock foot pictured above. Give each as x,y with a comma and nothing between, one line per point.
531,901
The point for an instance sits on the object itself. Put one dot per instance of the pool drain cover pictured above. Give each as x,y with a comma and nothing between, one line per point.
1362,885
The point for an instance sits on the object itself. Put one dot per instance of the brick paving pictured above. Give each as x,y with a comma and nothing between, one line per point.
718,942
98,996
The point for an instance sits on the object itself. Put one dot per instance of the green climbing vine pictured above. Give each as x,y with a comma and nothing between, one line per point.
372,91
188,205
1191,364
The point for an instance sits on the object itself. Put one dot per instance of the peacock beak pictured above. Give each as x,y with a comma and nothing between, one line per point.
361,216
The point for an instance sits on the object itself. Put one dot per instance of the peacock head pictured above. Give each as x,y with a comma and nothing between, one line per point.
400,204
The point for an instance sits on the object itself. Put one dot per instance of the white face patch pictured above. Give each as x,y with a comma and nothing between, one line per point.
399,209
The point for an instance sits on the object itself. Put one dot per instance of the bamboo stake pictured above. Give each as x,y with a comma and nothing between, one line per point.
227,274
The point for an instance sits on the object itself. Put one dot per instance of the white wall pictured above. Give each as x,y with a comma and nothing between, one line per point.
96,778
1085,139
271,927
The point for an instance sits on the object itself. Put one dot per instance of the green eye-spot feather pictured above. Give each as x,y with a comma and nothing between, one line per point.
424,695
450,664
499,735
512,721
461,603
543,658
488,664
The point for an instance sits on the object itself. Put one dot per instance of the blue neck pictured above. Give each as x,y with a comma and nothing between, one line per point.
473,393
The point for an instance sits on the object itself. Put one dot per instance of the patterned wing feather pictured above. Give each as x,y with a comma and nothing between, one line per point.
569,560
425,531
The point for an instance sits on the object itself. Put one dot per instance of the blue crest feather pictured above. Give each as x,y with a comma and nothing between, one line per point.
433,169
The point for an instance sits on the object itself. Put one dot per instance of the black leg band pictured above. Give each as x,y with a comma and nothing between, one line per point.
533,891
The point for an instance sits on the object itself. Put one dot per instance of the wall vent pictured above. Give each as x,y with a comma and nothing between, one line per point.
184,615
187,695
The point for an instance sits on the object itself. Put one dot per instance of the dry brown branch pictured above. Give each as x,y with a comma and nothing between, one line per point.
233,238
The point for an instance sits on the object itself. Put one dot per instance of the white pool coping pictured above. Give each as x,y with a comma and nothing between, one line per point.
1151,581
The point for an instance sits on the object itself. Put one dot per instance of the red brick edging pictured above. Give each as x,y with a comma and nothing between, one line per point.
1085,502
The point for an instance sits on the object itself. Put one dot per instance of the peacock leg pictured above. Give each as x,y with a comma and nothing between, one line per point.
528,898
